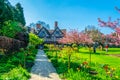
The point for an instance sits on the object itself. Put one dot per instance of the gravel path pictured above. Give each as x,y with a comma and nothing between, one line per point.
43,69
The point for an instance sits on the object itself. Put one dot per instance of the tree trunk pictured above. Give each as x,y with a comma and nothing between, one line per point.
90,53
69,56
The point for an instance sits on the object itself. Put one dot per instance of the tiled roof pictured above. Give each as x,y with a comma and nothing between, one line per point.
50,32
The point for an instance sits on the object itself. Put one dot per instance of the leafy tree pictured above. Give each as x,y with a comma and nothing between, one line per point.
93,32
5,11
9,12
20,14
10,28
95,35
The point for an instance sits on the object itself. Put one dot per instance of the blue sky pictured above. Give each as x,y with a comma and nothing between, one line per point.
70,14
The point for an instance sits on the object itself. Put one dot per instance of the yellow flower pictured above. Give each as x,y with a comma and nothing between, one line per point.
113,69
116,77
108,72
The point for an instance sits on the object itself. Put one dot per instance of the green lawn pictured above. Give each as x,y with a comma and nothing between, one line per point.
102,58
110,51
98,51
113,50
97,61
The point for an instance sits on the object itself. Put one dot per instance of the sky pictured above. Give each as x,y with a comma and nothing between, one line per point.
70,14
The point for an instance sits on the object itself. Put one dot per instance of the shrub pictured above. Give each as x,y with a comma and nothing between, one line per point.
10,44
34,39
23,36
9,64
17,73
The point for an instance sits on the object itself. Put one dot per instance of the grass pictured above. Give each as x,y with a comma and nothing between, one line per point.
98,61
110,51
98,51
100,58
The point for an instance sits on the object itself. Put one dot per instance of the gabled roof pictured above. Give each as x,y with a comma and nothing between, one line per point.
63,31
57,33
43,32
51,31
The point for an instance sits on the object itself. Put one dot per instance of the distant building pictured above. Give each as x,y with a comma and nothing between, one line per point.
49,35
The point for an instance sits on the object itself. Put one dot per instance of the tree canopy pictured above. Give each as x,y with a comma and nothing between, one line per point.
9,12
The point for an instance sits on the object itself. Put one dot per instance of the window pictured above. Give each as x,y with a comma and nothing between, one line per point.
42,34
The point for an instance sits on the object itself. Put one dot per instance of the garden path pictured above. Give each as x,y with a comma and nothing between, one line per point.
43,68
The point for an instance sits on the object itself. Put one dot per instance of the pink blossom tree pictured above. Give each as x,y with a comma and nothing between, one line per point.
97,37
75,37
114,25
112,39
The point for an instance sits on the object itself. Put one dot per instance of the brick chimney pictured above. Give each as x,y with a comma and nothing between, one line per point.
56,24
38,26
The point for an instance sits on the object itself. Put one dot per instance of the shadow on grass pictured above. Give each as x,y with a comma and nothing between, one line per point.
91,53
113,50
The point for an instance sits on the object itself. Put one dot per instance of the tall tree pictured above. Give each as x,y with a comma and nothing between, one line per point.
93,33
5,11
20,14
9,12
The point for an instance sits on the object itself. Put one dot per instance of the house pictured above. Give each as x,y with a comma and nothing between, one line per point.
50,36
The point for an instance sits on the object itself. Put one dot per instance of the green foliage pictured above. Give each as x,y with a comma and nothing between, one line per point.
9,12
5,11
9,65
10,28
17,73
20,16
16,65
34,39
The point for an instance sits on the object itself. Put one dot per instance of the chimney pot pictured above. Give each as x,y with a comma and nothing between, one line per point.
56,24
38,26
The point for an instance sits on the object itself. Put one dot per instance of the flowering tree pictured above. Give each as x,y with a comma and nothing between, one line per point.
113,25
66,39
96,36
75,37
112,39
